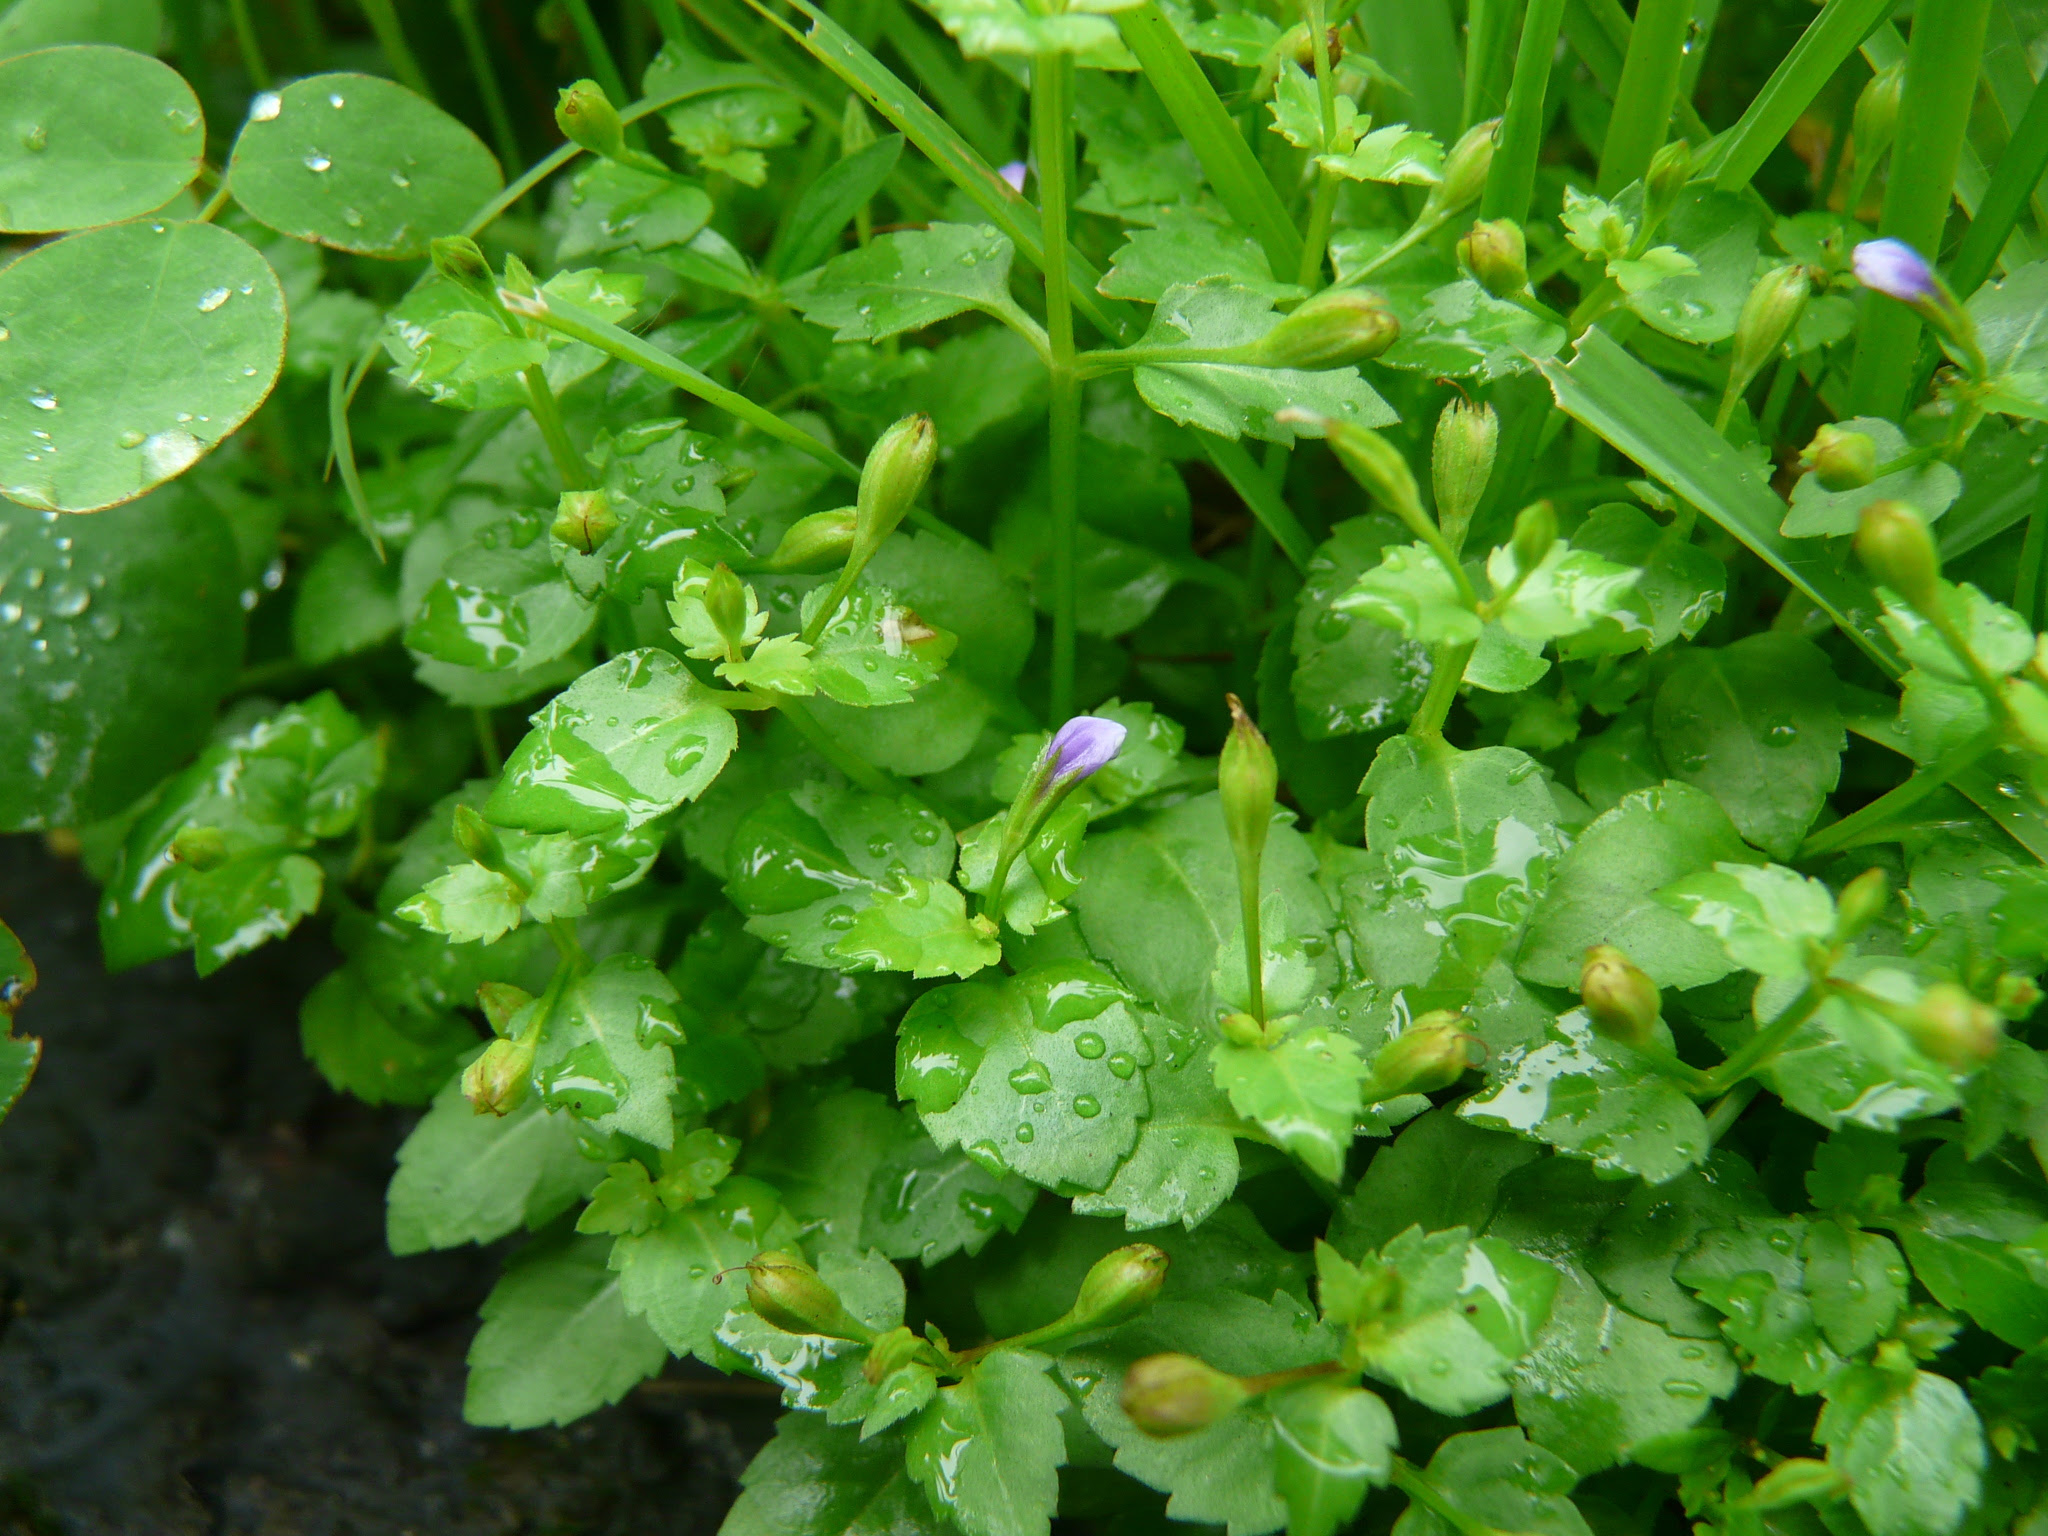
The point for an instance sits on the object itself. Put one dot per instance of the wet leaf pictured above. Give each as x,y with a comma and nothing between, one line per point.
96,135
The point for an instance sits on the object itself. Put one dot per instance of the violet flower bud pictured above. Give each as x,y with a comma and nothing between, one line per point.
1894,269
1084,745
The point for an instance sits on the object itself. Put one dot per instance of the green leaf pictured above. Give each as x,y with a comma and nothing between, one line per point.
1960,1234
821,1151
469,1178
18,1057
815,1479
1304,1092
181,342
1189,245
1678,589
361,164
816,1371
1567,591
873,650
676,1273
272,791
118,635
1397,154
1497,1479
1604,891
108,134
497,601
31,24
812,229
1441,1172
926,1202
1235,399
1700,303
446,345
920,926
1754,1275
1642,1240
1767,917
615,207
362,1050
727,130
1929,487
346,603
625,743
1185,1164
548,876
1590,1097
988,1451
993,28
1913,1450
1411,592
2008,319
1038,1074
1331,1443
1351,678
605,1050
908,280
557,1341
1461,331
1755,724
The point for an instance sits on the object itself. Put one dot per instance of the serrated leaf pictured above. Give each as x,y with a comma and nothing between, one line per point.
1351,678
988,1450
1332,1443
1304,1092
873,650
1189,245
1185,1164
362,1050
1960,1234
678,1273
1396,154
906,281
815,1479
993,28
1461,331
928,1203
498,602
1913,1451
604,1052
1497,1479
1412,593
1767,917
821,1152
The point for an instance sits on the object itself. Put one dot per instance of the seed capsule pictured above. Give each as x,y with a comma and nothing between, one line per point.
1621,1000
587,118
200,848
1431,1053
1331,330
787,1293
1167,1395
897,468
1954,1028
584,520
496,1083
1842,460
1495,252
1119,1286
1896,548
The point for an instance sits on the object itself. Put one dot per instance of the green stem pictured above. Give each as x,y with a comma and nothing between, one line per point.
2030,589
2018,173
1647,92
1447,670
1728,1109
858,770
1052,144
487,742
383,19
1511,178
1487,30
668,18
1941,84
1764,1044
1801,75
503,135
246,40
1411,1481
1322,206
1261,493
1888,807
563,932
1429,223
547,415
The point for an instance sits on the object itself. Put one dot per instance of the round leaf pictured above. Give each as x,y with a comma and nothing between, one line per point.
32,24
90,135
125,354
360,164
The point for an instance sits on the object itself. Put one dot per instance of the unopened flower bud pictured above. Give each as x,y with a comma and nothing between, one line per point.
1431,1053
1620,998
1118,1287
891,1352
1331,330
1861,903
1535,532
819,542
1842,460
1800,1480
1085,745
1379,467
1768,315
501,1003
1465,167
200,848
1167,1395
2016,995
497,1081
1954,1028
1247,779
584,520
1242,1029
1670,169
1896,548
1460,464
725,601
461,260
1496,254
477,837
1894,269
1877,118
1299,45
587,118
897,468
787,1293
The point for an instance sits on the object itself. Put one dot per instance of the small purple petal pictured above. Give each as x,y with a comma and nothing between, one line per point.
1083,745
1014,173
1894,269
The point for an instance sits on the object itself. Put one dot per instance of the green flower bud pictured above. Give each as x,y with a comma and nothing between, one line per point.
1876,122
1167,1395
1431,1053
2017,995
1331,330
1496,254
891,1352
897,468
1862,903
787,1293
1620,999
1801,1480
1248,780
1896,548
725,601
1377,465
1535,532
587,118
496,1082
501,1002
1242,1029
1465,168
1670,170
1768,315
478,838
1842,460
1299,45
584,520
1954,1028
200,848
1461,462
461,260
1119,1286
819,542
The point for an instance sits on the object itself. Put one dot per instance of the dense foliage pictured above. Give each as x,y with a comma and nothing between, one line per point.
750,638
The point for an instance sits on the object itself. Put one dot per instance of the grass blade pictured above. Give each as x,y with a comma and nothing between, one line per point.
1417,41
1644,96
2018,172
1258,493
938,69
1511,180
1828,39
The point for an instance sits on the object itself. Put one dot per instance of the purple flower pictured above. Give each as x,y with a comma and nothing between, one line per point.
1084,744
1894,269
1013,173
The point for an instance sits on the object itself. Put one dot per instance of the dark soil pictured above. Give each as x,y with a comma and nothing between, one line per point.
200,1328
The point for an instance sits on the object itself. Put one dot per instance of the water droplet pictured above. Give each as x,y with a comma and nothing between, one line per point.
1089,1046
1032,1077
351,218
1025,1133
1122,1065
131,438
1087,1106
1681,1387
1780,733
42,400
106,625
401,180
10,613
334,100
34,577
169,453
69,602
925,834
35,139
315,161
265,107
6,334
212,299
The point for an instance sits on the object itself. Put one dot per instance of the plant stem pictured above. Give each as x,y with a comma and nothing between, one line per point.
547,415
383,19
2030,589
1052,146
1262,495
251,49
668,17
1447,670
487,741
1887,807
1410,1480
1511,179
503,135
1647,92
857,769
1728,1108
1801,75
1941,84
1764,1044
